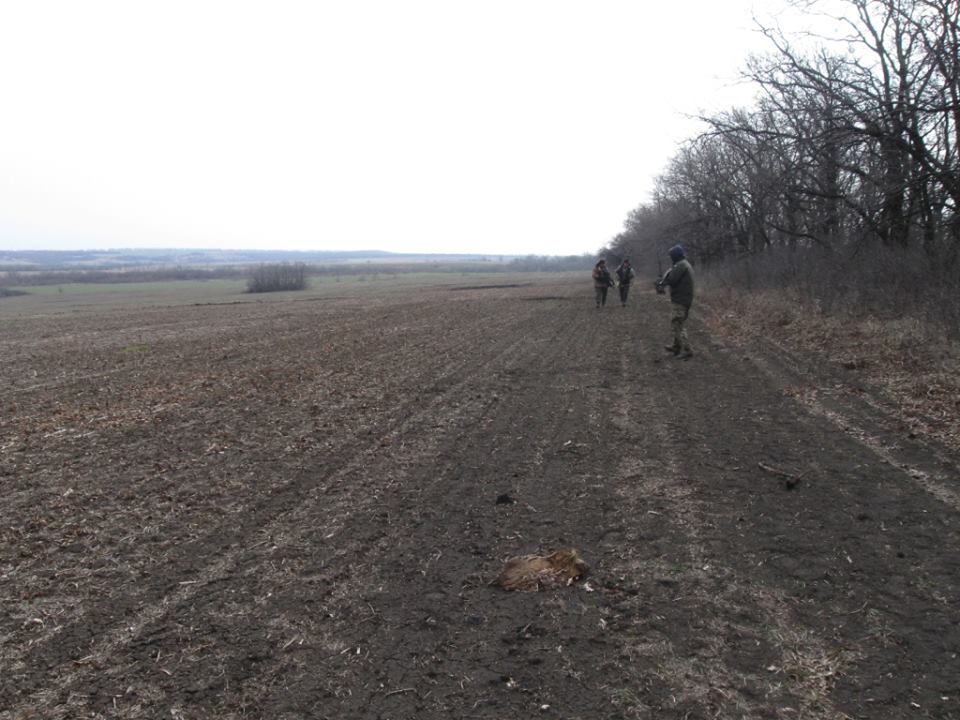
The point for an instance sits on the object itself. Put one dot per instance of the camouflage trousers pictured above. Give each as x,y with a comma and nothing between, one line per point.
601,293
678,321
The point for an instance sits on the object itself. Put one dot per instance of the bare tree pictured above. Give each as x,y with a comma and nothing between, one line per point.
851,151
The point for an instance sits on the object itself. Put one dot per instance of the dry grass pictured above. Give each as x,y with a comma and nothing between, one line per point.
809,670
913,365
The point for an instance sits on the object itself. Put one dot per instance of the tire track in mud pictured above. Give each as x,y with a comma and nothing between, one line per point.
440,627
267,516
826,556
732,616
889,454
870,422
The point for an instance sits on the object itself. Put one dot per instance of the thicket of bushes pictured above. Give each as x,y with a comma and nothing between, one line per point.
278,277
885,283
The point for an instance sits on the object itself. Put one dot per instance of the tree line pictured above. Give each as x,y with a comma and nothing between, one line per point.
845,169
266,277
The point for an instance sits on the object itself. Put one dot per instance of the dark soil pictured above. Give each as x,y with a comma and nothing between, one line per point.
290,510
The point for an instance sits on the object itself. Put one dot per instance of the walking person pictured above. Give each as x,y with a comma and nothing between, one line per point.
679,278
624,275
601,282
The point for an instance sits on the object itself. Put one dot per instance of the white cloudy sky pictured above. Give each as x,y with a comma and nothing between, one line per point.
502,126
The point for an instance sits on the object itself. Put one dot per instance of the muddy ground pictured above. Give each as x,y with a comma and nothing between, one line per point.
288,509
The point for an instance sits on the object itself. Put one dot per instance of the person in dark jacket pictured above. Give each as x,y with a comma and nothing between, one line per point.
679,278
601,282
624,275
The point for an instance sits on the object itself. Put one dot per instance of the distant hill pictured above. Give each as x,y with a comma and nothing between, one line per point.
139,257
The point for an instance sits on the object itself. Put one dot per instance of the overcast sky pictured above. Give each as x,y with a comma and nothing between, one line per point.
520,126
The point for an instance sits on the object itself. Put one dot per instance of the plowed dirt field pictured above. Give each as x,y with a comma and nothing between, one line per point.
294,507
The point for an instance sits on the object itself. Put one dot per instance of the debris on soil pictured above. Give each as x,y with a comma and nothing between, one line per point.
531,573
505,499
790,480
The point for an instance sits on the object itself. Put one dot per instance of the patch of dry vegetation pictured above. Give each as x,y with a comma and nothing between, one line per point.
911,361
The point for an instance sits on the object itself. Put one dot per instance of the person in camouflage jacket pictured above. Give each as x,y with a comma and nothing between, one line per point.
625,274
679,278
601,282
